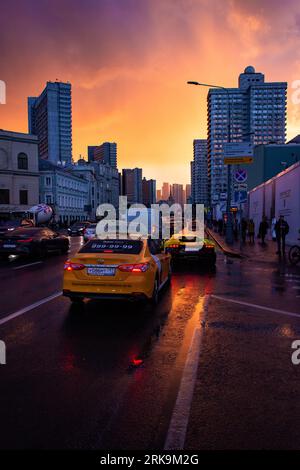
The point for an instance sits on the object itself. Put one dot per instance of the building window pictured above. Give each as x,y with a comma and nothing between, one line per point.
4,196
23,196
48,180
48,199
22,161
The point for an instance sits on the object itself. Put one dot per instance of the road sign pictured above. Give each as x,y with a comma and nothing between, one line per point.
238,160
240,175
240,196
240,186
238,149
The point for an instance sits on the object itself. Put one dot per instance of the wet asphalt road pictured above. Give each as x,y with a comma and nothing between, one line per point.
68,381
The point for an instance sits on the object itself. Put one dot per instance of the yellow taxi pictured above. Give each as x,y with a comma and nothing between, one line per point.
186,246
117,269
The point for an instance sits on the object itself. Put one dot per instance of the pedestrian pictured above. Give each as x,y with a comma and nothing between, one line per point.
263,228
251,231
281,229
235,230
244,229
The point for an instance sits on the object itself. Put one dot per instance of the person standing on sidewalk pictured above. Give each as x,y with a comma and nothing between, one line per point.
281,230
263,228
251,231
244,229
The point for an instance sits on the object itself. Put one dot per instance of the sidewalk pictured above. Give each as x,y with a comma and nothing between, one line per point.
264,253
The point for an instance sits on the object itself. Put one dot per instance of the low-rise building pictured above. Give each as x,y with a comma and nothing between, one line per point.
271,159
66,192
19,171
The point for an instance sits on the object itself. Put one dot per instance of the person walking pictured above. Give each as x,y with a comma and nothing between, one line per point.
244,229
251,231
281,230
263,228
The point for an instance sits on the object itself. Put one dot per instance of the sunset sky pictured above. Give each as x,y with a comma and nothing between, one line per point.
129,60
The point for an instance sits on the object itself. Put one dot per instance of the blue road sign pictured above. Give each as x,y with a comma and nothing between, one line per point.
240,196
240,175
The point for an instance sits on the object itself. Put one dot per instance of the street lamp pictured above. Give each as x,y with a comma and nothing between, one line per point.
229,230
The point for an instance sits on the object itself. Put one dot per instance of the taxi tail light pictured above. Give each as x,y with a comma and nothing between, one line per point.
73,266
134,268
173,246
25,240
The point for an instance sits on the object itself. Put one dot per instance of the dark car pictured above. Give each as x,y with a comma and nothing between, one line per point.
33,242
188,247
78,228
7,226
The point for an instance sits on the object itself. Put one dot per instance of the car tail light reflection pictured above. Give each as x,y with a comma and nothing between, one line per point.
209,246
133,268
25,240
73,266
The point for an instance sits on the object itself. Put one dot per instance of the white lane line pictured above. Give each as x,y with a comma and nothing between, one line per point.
30,307
261,307
179,421
26,265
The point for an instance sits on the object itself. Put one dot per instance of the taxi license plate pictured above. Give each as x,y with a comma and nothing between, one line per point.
101,271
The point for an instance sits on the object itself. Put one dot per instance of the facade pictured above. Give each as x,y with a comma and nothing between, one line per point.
50,118
104,153
103,184
278,196
158,195
19,171
199,180
149,192
66,192
132,185
255,111
269,160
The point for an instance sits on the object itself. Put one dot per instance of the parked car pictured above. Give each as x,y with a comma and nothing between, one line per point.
89,232
10,225
78,228
37,241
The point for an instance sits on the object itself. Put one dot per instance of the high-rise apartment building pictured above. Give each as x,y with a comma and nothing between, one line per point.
149,192
104,153
255,111
132,185
199,187
165,191
178,193
50,118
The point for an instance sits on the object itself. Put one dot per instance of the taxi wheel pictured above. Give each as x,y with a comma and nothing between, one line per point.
154,299
76,300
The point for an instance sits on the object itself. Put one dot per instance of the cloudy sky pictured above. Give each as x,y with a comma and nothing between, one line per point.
129,60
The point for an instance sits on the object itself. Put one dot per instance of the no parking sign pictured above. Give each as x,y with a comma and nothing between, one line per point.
240,175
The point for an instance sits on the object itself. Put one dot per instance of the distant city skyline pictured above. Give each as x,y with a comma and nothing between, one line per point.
132,88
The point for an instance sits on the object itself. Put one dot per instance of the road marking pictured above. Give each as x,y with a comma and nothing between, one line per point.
26,265
261,307
30,307
179,421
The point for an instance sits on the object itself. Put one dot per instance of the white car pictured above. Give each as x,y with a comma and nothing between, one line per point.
89,232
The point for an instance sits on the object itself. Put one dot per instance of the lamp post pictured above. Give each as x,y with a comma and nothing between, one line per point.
229,228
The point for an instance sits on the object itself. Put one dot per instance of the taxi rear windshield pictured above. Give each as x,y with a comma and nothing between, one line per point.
132,247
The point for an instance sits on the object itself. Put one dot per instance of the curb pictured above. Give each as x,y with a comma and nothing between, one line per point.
224,247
